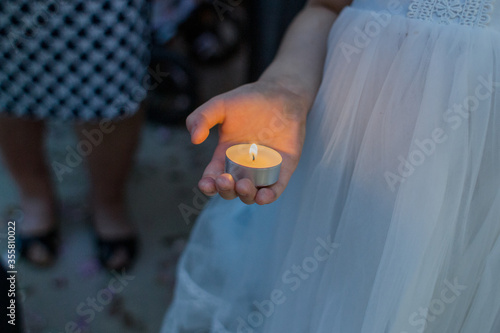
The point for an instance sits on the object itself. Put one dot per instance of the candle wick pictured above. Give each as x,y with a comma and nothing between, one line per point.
253,157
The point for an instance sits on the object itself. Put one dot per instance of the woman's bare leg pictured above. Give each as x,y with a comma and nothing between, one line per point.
22,148
109,164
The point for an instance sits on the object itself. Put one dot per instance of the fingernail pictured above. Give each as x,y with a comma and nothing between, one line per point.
222,182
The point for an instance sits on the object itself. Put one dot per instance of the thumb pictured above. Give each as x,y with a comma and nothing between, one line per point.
204,118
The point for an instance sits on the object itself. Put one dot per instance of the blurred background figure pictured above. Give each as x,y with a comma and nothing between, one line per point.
83,62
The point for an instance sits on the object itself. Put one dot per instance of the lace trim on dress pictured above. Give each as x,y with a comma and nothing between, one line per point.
468,12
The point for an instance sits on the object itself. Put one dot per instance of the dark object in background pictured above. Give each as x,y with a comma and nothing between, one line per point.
207,40
172,99
268,21
210,39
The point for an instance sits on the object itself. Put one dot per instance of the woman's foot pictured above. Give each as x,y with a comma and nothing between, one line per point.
109,167
116,238
23,153
39,237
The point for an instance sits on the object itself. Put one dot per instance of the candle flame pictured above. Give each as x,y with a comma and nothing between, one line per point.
253,151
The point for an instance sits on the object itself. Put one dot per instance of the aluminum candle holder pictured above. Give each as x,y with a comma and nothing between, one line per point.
258,163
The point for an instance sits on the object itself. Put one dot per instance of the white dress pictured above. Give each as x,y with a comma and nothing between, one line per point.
391,222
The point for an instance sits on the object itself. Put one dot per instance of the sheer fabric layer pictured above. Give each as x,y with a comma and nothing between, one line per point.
391,221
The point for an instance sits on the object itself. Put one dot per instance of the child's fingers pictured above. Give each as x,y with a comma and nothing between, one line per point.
246,190
213,170
265,196
225,186
269,194
204,118
207,186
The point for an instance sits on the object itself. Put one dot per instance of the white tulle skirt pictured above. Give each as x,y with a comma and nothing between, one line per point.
391,223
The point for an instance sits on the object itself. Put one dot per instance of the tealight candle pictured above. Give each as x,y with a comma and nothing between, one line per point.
258,163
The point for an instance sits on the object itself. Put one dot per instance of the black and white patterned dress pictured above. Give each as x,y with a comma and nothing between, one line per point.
73,59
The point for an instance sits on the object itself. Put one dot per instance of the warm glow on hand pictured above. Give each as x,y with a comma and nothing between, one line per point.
263,113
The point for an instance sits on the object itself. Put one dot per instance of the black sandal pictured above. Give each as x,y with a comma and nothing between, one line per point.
107,249
49,241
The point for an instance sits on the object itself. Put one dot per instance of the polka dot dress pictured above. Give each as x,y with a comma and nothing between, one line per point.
73,59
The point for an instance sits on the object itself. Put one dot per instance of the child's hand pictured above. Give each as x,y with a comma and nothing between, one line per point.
263,113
